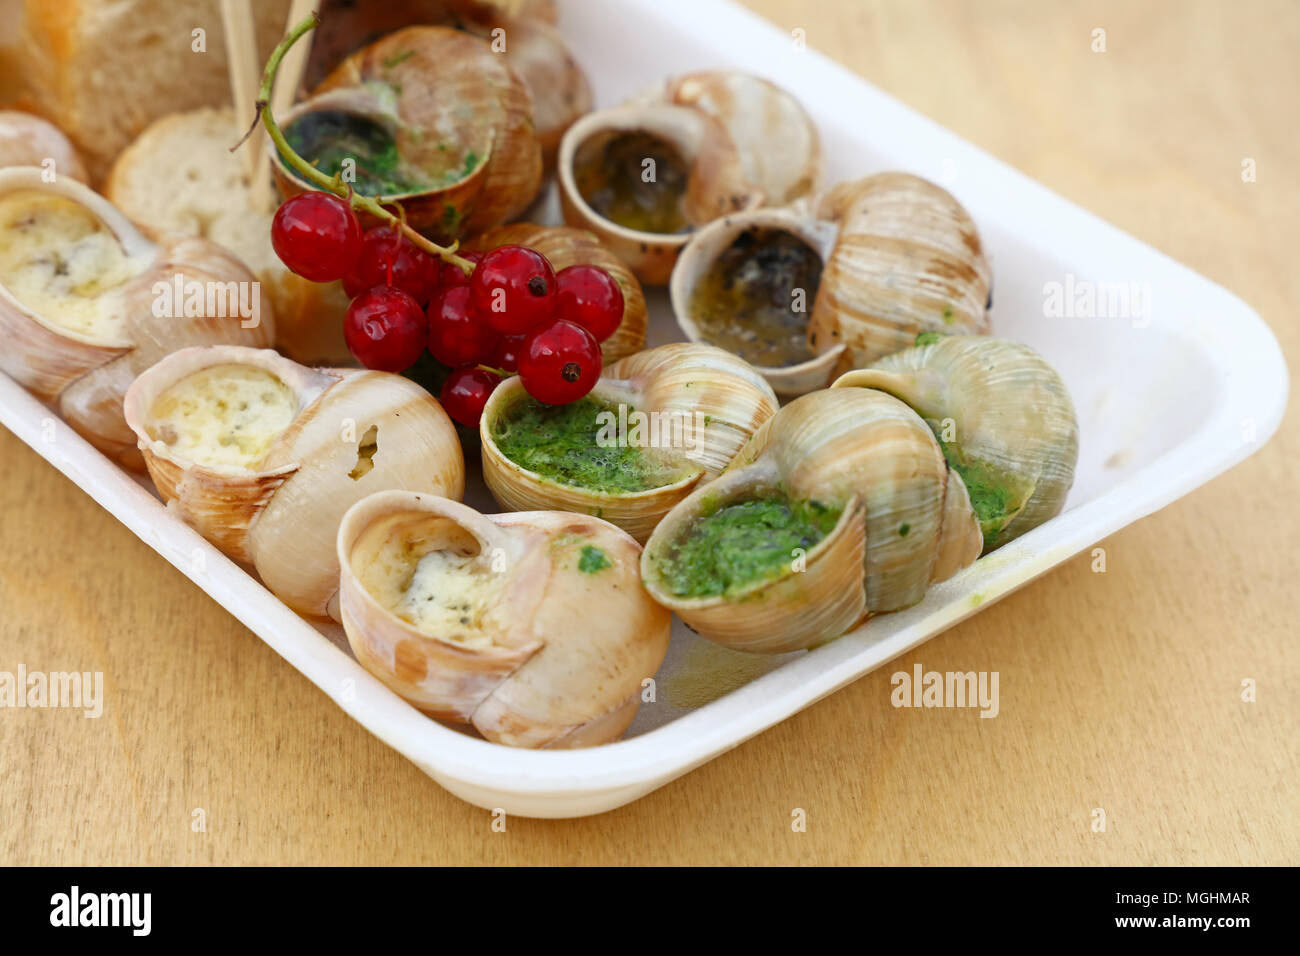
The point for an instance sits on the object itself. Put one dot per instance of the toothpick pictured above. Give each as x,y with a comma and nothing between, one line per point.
243,69
287,81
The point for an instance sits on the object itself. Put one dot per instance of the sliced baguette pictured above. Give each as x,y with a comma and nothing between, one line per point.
181,177
104,69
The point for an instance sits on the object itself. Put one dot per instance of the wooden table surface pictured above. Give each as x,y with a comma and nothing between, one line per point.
1119,691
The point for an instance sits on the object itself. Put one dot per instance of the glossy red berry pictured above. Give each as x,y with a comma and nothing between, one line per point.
505,353
385,329
457,336
317,236
466,391
454,275
560,363
514,289
389,258
590,297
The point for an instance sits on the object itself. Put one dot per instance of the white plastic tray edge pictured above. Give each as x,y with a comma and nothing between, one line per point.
1235,341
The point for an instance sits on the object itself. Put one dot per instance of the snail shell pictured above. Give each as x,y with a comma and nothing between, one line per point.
718,397
1013,431
564,247
746,141
80,350
533,48
777,141
533,627
716,183
905,522
455,109
345,434
27,140
899,256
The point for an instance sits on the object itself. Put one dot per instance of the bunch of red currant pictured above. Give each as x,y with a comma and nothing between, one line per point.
514,313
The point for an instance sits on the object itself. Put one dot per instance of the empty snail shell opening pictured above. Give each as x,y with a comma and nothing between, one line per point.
755,296
581,445
635,179
227,415
731,547
431,573
62,263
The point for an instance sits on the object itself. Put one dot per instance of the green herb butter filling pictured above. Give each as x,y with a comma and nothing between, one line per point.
995,498
742,543
565,444
593,559
327,138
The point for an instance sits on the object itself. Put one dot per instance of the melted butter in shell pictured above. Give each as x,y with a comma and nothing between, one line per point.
223,415
432,575
63,264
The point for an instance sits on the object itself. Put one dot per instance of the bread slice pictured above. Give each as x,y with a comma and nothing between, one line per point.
180,176
104,69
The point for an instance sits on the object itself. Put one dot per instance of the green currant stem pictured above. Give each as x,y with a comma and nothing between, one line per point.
499,372
333,184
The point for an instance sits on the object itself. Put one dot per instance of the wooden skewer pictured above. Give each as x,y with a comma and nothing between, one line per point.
242,67
294,63
287,81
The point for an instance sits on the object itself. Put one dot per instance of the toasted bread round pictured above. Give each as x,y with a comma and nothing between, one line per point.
180,176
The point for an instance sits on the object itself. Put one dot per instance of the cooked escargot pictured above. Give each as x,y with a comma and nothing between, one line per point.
839,507
87,302
429,116
262,456
644,175
805,292
657,425
525,35
27,140
533,627
564,247
1003,418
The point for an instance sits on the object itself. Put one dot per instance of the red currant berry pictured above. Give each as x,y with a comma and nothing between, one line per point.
316,235
385,329
389,258
514,289
560,363
456,335
454,275
590,297
466,391
505,354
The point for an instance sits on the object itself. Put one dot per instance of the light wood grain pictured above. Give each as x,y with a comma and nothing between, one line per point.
1118,690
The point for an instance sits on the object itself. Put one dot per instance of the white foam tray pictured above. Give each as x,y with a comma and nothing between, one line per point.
1165,403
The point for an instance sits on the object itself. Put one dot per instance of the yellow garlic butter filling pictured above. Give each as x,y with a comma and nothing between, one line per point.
431,576
222,415
63,264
